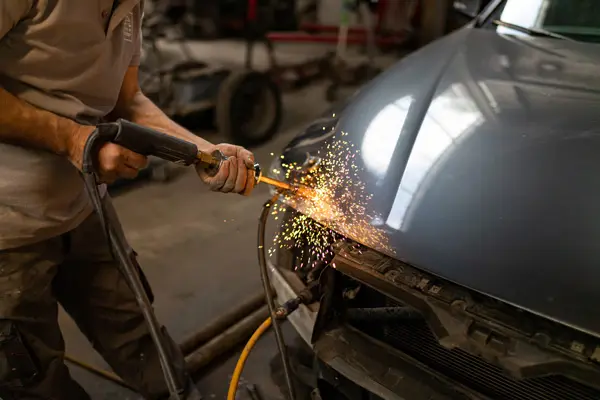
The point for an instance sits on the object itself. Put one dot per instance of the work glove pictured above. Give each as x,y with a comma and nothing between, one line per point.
236,174
113,161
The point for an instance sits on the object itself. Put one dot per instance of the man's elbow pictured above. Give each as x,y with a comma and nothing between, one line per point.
127,106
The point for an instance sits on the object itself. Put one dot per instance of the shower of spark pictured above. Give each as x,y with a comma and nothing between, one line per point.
337,207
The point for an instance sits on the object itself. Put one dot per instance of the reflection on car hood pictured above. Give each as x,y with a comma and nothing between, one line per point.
482,153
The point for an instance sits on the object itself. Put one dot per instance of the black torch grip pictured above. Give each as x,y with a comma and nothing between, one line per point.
149,142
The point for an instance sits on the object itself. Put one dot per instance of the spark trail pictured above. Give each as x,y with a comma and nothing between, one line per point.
337,207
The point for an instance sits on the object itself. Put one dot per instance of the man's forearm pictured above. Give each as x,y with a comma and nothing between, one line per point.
143,111
28,126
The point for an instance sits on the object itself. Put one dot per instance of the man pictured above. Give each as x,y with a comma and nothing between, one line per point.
65,65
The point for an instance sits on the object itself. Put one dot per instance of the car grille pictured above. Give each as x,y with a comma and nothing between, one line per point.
414,338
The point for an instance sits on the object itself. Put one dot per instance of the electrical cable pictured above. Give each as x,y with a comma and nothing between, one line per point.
126,263
239,367
264,274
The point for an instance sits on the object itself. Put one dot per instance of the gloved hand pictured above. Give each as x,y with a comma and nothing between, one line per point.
114,161
236,174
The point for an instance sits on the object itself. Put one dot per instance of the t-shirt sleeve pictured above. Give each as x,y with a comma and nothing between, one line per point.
11,12
137,54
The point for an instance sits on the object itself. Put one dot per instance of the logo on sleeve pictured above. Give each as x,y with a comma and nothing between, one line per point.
128,28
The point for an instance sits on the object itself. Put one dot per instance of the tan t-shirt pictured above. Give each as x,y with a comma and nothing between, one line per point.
68,57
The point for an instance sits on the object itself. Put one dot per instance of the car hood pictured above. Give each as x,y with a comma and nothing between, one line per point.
482,153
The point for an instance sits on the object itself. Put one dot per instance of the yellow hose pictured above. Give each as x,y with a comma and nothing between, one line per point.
239,367
235,378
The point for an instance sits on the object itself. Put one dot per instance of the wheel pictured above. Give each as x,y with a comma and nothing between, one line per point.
248,108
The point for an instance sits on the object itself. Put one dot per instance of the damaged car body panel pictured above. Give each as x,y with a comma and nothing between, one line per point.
481,152
494,186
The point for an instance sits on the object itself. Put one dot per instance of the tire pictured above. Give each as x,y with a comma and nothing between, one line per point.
243,93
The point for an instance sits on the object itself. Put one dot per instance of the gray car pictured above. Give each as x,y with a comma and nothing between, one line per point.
474,272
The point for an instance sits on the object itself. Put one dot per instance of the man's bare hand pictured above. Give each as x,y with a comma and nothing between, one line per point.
236,174
113,161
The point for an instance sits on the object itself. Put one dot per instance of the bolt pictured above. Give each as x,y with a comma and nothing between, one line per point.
281,312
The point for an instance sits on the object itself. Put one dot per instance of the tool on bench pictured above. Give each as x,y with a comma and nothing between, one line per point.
149,142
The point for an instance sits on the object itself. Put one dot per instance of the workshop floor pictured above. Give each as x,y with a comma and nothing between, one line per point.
198,249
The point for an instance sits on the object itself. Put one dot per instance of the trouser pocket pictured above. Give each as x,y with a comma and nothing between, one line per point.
17,364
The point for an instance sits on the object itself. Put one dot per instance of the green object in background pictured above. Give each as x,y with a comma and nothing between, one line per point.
347,8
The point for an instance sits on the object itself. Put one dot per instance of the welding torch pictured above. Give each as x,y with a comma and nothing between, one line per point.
150,142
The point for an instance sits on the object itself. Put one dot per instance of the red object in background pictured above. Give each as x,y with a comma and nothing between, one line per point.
329,28
252,10
355,35
381,9
299,37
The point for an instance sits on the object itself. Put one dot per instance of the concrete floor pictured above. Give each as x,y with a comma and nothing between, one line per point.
198,250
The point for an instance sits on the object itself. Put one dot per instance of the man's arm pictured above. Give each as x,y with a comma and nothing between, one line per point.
134,106
24,124
28,126
235,174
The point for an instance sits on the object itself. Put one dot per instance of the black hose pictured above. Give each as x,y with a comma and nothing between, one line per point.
127,267
264,275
